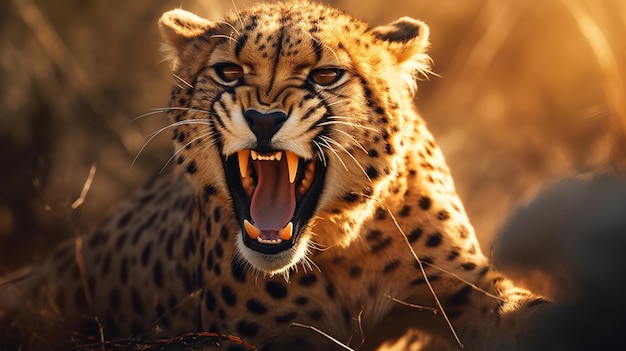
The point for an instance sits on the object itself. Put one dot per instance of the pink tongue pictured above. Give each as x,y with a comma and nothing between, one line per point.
274,200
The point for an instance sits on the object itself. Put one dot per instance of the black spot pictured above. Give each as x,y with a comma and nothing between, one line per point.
188,280
209,301
421,280
219,251
373,235
350,197
425,260
461,297
157,274
119,242
208,191
216,214
217,269
145,254
472,249
381,244
135,299
276,290
238,271
256,307
228,295
391,265
443,215
434,239
373,153
355,272
414,235
308,279
453,255
114,299
286,318
207,226
371,172
124,220
468,266
405,211
224,233
464,232
247,329
424,203
389,149
106,264
124,271
315,314
209,261
147,224
330,290
380,214
169,246
301,301
191,167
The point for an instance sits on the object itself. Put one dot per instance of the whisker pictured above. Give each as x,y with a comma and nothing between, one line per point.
225,37
237,12
356,142
167,109
327,145
231,26
182,80
330,140
169,160
354,125
322,155
325,45
160,130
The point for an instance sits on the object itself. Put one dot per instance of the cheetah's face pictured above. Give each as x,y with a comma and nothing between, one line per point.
275,113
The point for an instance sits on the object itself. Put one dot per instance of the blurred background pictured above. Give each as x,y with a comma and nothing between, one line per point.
526,92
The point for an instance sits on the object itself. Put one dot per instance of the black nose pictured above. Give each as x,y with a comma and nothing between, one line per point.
264,126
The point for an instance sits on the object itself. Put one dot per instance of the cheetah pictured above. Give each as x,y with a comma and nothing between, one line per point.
309,206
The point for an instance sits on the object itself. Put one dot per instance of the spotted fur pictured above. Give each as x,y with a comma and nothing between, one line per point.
380,219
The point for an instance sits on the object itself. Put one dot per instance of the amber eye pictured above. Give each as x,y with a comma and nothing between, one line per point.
229,72
325,76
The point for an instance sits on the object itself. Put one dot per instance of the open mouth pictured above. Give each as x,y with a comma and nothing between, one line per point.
274,194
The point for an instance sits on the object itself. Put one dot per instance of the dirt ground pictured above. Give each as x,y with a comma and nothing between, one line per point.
526,92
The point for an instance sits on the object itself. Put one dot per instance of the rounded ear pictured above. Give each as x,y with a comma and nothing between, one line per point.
178,27
407,41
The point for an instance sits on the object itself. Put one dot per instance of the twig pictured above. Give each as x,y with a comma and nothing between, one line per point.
294,324
419,307
83,194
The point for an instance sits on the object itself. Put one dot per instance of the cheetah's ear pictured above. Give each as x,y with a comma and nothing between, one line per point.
178,27
407,40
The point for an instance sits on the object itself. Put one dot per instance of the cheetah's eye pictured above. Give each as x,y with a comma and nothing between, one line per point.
325,76
229,72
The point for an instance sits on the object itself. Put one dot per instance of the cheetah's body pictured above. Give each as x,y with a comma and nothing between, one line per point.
177,257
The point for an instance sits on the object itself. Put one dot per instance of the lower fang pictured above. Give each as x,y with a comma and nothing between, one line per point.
286,232
253,232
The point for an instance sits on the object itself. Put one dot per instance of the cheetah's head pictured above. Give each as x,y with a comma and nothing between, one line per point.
293,112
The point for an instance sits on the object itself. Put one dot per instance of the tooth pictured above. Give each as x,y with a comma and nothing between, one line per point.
253,232
243,156
292,163
286,232
278,155
255,155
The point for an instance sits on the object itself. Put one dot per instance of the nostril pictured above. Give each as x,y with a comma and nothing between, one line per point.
264,126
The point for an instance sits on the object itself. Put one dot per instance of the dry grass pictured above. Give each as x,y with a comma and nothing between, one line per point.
528,92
